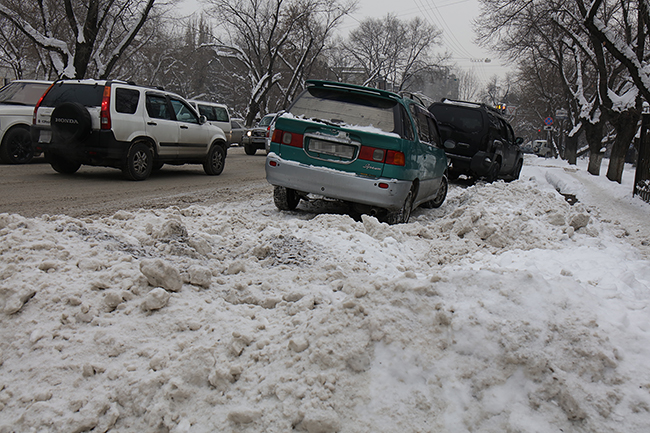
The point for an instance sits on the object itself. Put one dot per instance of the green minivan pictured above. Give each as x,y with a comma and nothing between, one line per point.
374,149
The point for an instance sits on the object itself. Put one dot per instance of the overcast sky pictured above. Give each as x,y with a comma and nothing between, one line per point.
454,17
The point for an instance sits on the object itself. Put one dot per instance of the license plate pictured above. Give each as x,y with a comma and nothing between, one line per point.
45,136
330,148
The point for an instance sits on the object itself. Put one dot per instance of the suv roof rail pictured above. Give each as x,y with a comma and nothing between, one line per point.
477,104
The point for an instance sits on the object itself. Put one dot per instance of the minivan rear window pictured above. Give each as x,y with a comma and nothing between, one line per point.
345,108
86,95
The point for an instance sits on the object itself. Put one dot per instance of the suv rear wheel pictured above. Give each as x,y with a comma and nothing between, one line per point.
61,164
215,160
250,149
139,162
16,147
493,174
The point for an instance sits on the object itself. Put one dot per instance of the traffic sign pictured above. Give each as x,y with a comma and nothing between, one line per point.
561,114
548,121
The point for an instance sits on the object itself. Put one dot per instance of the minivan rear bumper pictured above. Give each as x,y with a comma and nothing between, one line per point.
340,185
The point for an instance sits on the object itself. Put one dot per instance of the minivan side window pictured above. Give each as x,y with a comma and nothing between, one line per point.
208,112
126,100
421,124
433,132
221,114
407,126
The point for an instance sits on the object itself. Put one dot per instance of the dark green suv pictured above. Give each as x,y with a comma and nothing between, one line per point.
374,149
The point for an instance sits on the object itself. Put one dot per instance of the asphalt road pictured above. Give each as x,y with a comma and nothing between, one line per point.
35,189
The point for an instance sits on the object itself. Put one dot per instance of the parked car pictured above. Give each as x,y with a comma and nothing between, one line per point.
542,148
371,148
478,140
216,114
256,137
117,124
237,131
17,100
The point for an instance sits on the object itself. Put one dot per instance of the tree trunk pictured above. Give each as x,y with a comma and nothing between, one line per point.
571,151
594,136
595,160
626,127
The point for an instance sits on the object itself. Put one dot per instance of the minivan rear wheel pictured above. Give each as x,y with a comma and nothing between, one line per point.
402,215
285,198
440,196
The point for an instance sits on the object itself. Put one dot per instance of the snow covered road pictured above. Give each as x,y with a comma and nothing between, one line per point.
507,309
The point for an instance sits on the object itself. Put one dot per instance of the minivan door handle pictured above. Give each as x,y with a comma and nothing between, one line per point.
184,127
152,123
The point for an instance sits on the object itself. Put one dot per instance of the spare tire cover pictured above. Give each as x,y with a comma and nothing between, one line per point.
70,123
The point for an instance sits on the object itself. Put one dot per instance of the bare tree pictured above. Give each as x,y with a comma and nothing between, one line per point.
276,41
79,37
622,27
392,50
468,85
628,43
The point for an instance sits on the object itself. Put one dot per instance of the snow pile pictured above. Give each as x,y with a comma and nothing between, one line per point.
507,309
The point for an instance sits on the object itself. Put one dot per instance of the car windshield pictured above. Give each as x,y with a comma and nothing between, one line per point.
266,120
89,95
343,107
18,93
463,119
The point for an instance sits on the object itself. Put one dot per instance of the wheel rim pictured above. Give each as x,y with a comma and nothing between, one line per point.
442,192
140,162
408,207
20,148
217,160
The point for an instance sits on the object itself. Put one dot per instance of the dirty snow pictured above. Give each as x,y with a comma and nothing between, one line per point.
506,310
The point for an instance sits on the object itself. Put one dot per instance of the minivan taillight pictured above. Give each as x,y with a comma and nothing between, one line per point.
394,157
105,113
288,138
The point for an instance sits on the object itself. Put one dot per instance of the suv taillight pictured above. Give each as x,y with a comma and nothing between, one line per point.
38,104
105,114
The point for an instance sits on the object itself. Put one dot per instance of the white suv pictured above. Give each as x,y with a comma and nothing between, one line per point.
118,124
216,114
17,100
